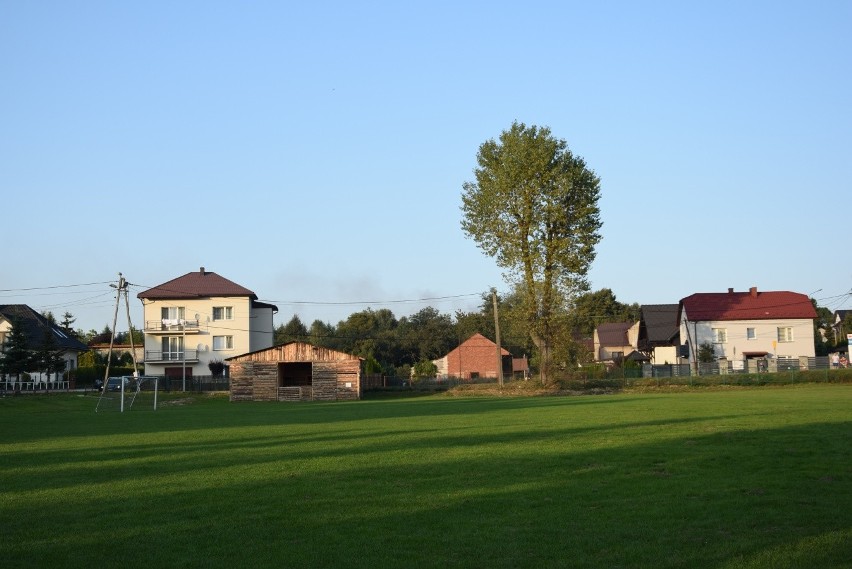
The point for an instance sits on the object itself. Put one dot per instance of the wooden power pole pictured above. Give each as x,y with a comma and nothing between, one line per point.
497,339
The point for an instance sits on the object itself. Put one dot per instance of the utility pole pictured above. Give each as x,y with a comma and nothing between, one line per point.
497,338
121,287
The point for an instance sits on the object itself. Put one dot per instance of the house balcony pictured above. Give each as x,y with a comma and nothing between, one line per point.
176,326
160,357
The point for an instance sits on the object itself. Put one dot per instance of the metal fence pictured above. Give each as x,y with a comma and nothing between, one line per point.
777,371
196,383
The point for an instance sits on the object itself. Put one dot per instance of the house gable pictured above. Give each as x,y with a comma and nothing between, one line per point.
615,339
475,357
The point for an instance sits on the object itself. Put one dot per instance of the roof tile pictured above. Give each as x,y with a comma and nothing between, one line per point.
198,284
752,305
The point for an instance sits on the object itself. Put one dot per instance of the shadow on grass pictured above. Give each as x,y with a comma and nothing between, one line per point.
464,491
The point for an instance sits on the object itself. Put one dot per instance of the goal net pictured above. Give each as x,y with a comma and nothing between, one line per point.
126,393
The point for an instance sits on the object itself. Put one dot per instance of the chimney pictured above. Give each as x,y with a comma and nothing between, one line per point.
202,271
753,292
730,291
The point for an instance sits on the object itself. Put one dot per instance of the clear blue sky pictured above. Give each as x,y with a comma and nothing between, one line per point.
314,152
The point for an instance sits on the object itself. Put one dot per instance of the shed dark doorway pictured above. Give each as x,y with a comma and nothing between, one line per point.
294,374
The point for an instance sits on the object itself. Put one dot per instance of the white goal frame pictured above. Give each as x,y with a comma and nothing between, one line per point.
129,395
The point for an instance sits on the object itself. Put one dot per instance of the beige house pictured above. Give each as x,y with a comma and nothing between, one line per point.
615,341
198,318
744,327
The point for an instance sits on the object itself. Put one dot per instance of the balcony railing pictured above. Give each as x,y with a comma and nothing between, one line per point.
172,325
159,356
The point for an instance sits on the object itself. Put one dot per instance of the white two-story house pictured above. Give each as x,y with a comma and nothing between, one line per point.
751,325
198,318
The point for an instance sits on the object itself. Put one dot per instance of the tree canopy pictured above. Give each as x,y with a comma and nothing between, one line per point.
534,208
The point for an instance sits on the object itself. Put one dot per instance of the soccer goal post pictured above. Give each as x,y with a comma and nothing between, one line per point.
123,393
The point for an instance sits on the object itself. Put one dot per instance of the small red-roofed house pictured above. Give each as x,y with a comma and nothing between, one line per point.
474,358
748,325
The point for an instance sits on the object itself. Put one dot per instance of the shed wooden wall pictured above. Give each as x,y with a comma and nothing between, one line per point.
335,375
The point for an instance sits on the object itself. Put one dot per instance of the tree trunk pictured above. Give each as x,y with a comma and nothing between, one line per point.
544,357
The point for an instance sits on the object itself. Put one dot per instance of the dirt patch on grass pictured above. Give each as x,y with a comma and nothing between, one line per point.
178,402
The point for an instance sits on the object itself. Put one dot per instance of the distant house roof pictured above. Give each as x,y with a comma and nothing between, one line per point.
478,341
199,284
614,333
34,326
635,356
751,305
660,323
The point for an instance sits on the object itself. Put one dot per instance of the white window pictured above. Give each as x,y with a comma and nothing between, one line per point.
172,348
223,313
223,342
785,334
720,335
172,313
750,334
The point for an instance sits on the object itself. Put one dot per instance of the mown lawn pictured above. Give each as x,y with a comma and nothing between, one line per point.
723,479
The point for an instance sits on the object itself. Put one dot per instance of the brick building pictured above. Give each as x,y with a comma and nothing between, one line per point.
475,357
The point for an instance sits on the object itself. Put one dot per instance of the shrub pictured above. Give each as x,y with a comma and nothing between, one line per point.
216,367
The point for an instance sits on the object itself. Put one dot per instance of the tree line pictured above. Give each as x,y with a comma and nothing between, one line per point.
395,346
533,207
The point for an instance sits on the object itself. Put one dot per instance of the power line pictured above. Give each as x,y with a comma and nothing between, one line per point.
51,287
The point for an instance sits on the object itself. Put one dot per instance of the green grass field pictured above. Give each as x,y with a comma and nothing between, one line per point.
723,479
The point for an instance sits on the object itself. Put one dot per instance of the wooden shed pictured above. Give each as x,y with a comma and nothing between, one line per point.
296,371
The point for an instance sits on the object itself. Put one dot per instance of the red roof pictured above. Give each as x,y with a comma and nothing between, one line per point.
479,341
614,333
751,305
200,284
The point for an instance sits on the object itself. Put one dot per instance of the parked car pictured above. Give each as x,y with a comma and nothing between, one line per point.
114,383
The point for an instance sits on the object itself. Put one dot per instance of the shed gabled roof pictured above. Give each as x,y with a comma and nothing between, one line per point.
294,352
751,305
34,325
199,284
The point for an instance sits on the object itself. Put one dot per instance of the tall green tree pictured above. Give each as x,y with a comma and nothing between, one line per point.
293,331
322,334
534,208
594,308
49,357
369,333
67,323
425,336
17,356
